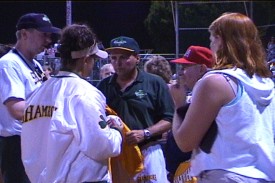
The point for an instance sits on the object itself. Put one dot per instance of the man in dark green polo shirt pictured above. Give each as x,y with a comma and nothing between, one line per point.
143,102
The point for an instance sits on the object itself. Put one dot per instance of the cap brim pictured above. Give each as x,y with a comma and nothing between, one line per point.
50,30
101,54
118,48
181,61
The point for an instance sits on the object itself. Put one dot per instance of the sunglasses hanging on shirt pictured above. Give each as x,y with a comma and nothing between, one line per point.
37,72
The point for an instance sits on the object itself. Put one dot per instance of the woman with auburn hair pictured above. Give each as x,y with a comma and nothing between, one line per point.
238,95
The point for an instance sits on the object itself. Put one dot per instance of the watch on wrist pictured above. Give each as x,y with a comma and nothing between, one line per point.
147,134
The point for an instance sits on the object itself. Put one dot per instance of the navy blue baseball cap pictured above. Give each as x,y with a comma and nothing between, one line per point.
123,43
38,21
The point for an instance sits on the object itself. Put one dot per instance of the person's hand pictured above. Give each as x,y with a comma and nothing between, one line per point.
115,122
134,137
178,93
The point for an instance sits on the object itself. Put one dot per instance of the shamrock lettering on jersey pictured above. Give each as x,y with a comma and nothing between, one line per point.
33,112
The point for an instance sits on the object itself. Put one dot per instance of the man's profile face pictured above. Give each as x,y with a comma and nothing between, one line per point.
189,74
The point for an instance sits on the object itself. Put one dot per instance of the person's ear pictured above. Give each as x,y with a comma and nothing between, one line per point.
203,68
138,59
86,59
24,33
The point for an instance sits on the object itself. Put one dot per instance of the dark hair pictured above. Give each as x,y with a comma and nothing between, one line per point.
74,37
4,49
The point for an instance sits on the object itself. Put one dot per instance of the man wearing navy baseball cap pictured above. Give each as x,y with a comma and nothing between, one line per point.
20,75
38,21
123,43
143,102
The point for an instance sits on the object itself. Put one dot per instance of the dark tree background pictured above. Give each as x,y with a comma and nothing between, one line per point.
151,23
160,26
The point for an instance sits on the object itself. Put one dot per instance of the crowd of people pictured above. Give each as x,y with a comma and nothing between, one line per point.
214,122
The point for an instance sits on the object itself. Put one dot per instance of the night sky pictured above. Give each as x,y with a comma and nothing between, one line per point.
108,19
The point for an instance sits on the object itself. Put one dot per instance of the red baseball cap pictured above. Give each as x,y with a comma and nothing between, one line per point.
196,55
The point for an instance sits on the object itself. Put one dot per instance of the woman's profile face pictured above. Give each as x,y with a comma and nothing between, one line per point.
88,66
215,42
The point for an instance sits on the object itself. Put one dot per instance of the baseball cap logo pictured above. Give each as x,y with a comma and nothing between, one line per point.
120,42
45,18
187,53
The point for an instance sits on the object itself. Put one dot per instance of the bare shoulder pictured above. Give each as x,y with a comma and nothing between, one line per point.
212,81
215,87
